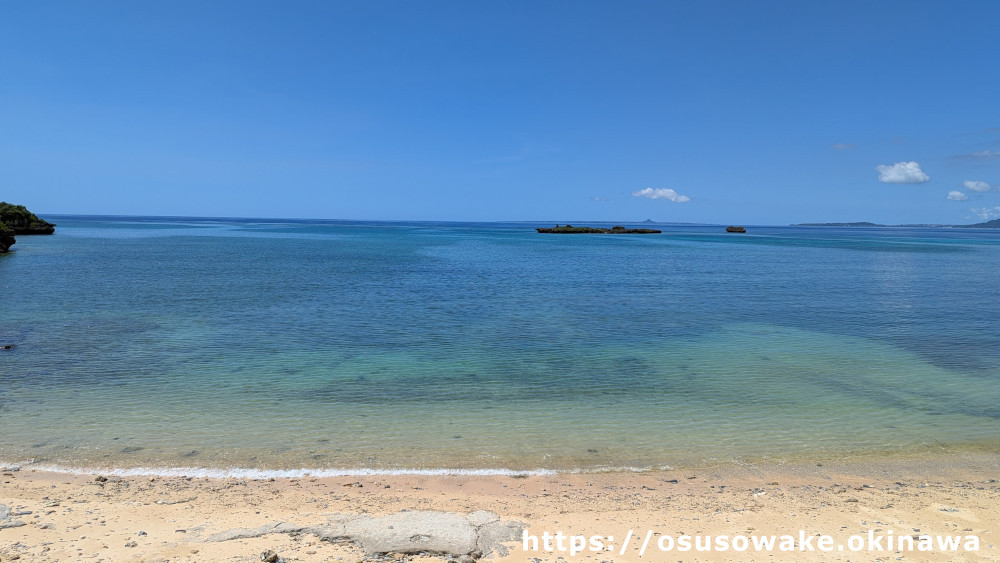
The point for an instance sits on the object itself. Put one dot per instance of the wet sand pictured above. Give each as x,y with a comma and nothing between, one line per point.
73,517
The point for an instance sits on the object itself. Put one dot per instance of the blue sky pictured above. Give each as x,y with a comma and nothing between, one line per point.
721,112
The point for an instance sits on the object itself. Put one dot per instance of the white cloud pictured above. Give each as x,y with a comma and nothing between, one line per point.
976,186
902,173
662,193
955,195
844,146
986,213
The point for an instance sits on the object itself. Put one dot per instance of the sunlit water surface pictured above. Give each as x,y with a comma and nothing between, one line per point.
229,345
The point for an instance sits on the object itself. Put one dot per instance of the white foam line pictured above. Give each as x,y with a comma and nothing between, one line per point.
246,473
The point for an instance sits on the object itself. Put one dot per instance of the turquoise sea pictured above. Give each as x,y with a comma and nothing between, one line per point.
266,347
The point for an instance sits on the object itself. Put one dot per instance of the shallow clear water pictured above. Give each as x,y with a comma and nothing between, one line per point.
221,344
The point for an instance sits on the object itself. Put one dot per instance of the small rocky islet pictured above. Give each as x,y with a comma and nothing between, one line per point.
17,220
616,230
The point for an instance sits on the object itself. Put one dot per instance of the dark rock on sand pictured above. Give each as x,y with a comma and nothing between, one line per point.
6,519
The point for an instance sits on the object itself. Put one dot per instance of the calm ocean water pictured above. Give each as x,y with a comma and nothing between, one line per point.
226,345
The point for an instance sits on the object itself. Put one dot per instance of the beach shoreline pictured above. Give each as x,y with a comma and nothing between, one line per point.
65,516
268,464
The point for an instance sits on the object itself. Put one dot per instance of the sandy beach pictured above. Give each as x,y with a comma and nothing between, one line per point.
49,516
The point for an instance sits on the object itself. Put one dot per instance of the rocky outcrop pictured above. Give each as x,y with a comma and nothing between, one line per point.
6,237
24,222
7,518
17,220
469,537
616,230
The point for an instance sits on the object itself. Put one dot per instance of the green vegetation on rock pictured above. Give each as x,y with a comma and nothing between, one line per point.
23,221
6,237
17,220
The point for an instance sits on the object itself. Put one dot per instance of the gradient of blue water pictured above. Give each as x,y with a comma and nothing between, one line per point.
362,345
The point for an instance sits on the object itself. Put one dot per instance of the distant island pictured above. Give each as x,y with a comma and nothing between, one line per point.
17,220
856,224
616,230
994,224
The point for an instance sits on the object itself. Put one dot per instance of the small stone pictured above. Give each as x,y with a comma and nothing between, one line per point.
269,556
101,479
132,544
